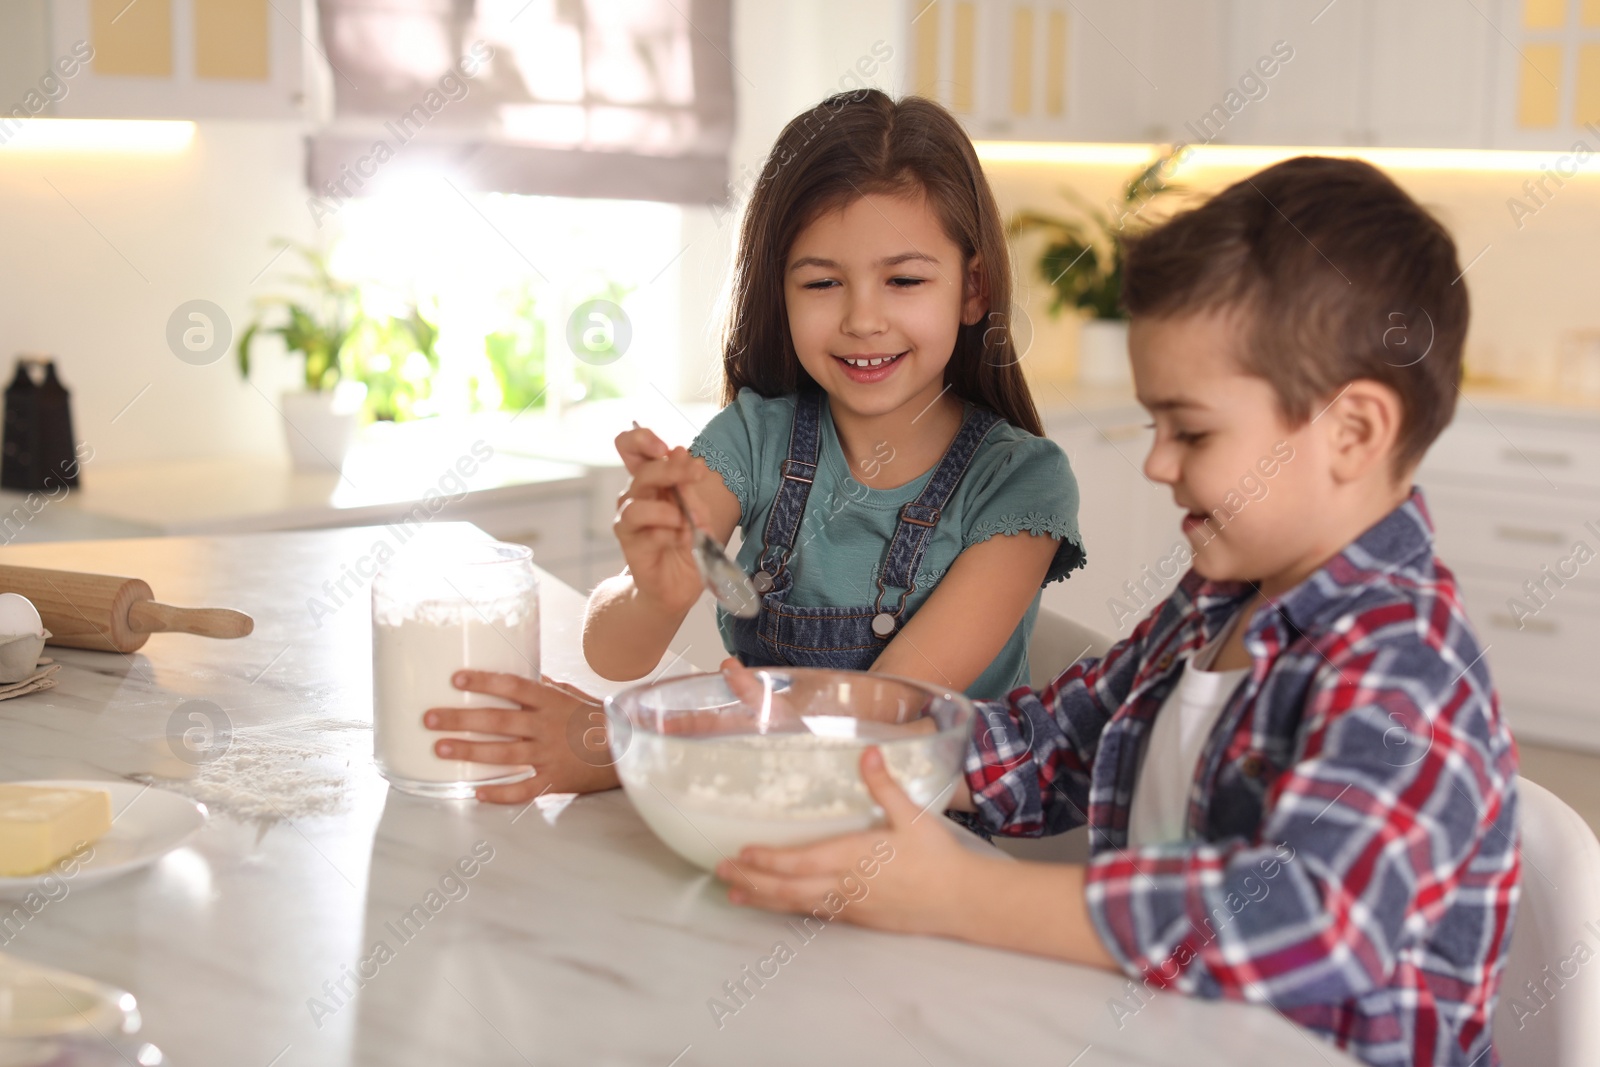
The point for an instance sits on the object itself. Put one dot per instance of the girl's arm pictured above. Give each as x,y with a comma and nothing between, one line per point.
632,618
968,619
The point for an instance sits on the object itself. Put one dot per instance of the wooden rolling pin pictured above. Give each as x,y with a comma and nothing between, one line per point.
111,614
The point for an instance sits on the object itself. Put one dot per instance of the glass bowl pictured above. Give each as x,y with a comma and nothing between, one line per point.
771,756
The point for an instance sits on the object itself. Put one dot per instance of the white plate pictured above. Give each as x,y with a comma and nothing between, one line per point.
146,824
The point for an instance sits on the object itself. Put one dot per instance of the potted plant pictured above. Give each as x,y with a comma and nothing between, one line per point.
319,420
1082,263
395,358
516,353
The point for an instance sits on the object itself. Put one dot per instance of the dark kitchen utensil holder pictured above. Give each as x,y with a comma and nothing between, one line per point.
38,453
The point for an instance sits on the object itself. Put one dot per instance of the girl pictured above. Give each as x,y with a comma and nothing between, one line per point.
877,433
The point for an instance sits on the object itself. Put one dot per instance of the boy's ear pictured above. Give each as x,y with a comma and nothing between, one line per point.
1362,425
974,293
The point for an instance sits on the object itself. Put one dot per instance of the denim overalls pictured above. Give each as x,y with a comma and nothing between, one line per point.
848,638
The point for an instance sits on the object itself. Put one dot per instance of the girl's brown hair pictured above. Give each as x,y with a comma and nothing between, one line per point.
850,145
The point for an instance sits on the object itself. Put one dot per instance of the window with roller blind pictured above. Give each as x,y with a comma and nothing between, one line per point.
620,99
509,162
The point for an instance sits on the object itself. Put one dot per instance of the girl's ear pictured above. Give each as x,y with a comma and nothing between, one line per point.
974,293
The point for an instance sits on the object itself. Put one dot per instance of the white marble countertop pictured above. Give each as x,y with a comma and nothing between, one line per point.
384,477
582,941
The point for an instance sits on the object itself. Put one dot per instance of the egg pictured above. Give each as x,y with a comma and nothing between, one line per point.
21,637
18,615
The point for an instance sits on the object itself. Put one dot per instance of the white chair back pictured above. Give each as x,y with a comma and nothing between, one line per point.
1057,644
1555,943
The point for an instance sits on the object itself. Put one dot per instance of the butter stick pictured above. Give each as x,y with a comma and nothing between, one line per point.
41,825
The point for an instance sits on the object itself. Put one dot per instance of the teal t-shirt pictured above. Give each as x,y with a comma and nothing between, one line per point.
1017,482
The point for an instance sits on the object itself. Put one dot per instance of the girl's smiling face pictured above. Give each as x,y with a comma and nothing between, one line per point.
876,293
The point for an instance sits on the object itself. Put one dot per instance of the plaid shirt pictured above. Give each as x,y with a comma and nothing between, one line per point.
1351,856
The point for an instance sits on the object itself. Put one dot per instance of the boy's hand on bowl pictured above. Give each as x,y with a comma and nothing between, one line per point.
559,730
877,878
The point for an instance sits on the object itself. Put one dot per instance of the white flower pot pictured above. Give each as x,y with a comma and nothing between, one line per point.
319,427
1103,352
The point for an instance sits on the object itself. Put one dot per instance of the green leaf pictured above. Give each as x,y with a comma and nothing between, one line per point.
246,339
316,325
1082,259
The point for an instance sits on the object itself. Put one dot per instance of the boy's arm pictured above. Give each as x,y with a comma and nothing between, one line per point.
1404,779
1028,763
914,876
1361,854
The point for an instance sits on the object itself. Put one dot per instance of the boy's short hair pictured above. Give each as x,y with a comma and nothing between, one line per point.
1340,276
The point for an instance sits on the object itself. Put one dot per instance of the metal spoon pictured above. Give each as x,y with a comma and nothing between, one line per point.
728,583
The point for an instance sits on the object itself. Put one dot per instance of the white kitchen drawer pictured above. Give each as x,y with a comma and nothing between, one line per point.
556,528
1546,661
1128,524
1482,448
1518,535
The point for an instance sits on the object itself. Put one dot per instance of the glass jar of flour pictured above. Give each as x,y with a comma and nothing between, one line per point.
472,606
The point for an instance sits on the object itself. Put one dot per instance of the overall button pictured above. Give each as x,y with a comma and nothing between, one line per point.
762,581
1251,766
883,624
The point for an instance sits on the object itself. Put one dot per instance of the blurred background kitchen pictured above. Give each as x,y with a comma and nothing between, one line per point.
315,264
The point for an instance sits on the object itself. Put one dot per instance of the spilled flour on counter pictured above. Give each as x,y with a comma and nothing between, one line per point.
277,771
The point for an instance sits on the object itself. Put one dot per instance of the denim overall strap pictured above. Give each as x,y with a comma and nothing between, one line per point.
794,487
918,518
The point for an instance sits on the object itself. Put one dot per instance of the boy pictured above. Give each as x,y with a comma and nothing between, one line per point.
1298,786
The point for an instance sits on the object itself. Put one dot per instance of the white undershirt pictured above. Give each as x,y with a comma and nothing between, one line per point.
1160,810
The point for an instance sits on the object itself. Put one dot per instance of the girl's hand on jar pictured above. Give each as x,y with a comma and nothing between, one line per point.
558,730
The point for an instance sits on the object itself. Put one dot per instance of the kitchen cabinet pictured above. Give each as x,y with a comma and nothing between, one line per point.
1139,71
1130,525
24,46
1432,73
1547,74
1424,73
166,59
1318,95
1180,79
1038,70
1366,72
1515,499
1090,70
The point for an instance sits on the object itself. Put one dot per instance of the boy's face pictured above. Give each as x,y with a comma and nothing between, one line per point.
878,279
1252,486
